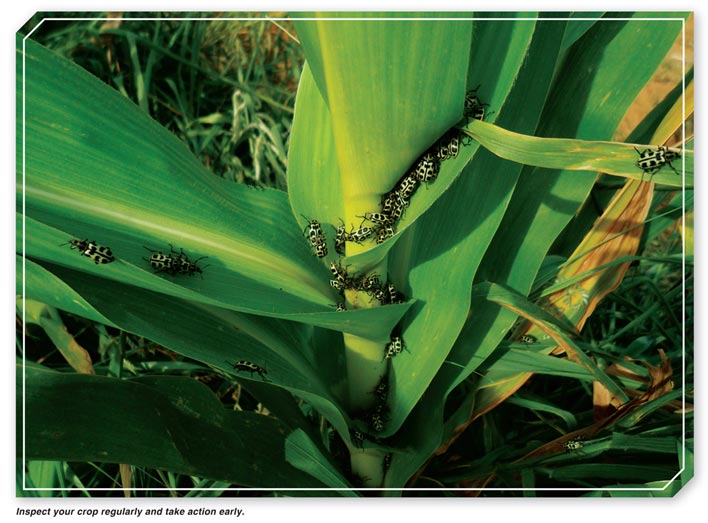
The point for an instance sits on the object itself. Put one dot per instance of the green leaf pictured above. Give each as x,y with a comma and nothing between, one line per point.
557,153
304,455
365,112
37,283
44,242
479,209
129,184
599,78
168,423
219,337
396,113
49,320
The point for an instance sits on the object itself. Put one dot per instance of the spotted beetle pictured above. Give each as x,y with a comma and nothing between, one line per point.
377,218
338,285
528,338
384,234
187,267
98,253
247,366
427,168
473,107
395,346
174,263
378,418
406,187
341,279
393,295
162,262
340,239
573,444
448,146
361,234
380,294
368,283
652,161
315,236
381,390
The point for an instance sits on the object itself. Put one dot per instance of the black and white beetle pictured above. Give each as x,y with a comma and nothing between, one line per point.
361,234
381,390
528,338
395,346
427,168
174,263
384,234
340,238
247,366
474,108
315,236
393,295
339,273
98,253
378,418
377,218
651,161
448,146
369,282
573,444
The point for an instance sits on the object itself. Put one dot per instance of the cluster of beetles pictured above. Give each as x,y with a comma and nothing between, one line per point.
383,226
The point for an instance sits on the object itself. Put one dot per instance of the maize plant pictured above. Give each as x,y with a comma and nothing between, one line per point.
458,203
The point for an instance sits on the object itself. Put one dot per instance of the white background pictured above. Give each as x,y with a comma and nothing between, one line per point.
685,507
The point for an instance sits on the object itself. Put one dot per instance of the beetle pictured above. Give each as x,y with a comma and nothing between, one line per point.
368,283
161,262
338,272
357,438
474,108
98,253
341,307
80,245
377,218
388,202
378,418
393,295
380,294
396,213
528,338
395,346
184,266
448,146
381,390
174,263
573,444
313,229
313,233
384,234
340,238
652,161
427,168
247,366
337,284
341,278
361,234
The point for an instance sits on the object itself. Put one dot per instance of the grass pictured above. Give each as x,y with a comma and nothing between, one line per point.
227,93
